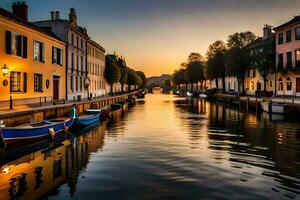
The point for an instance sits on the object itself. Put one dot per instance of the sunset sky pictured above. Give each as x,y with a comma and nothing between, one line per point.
156,36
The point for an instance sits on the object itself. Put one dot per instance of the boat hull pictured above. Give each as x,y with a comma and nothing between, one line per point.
21,135
90,119
276,108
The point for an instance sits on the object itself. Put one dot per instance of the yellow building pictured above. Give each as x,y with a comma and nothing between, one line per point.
32,60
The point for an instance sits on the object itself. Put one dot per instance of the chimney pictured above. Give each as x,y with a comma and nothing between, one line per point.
57,15
20,9
52,15
72,16
267,31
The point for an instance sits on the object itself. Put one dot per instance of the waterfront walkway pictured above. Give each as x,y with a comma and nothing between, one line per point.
18,109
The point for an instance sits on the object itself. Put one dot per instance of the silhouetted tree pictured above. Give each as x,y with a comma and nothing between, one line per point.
112,75
194,71
123,72
143,77
133,79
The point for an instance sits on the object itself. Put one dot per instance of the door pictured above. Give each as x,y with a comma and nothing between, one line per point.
258,86
55,88
297,85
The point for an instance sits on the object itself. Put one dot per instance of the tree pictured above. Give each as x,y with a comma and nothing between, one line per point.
112,75
195,69
265,59
178,77
143,78
133,79
237,58
215,65
123,72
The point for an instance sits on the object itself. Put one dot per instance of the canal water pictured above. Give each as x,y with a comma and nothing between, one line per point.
163,148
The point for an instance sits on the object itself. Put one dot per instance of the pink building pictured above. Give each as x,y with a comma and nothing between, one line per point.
288,58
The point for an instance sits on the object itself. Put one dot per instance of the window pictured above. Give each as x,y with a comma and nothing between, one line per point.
72,62
280,61
77,42
71,83
38,51
56,56
297,33
38,82
280,84
252,85
271,84
77,62
81,43
15,81
16,44
280,38
80,84
72,39
76,83
288,59
81,61
297,58
288,84
288,36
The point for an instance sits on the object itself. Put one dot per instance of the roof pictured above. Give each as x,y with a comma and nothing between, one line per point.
10,16
96,44
295,20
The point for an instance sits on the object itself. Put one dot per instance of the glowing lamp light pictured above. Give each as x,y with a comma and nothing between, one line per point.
5,70
189,94
5,169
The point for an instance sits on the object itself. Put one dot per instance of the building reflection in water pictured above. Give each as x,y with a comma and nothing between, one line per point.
248,142
41,172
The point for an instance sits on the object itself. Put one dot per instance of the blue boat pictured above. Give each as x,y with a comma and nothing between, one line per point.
36,131
90,116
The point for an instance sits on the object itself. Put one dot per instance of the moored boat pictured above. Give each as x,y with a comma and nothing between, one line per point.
90,116
36,131
276,108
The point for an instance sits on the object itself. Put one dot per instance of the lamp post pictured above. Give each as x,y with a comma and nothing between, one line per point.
5,71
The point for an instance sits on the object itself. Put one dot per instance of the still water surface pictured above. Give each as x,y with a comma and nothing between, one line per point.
163,148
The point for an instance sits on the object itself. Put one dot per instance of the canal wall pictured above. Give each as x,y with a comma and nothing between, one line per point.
15,118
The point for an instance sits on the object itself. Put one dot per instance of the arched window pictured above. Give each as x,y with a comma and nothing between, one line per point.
280,84
288,84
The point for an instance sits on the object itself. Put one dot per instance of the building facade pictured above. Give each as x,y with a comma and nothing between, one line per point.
32,60
254,76
287,73
76,38
96,67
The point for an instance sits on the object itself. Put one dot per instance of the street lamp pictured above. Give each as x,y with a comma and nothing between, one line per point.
5,72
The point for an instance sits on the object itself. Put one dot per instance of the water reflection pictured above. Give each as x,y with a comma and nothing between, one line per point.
163,148
41,172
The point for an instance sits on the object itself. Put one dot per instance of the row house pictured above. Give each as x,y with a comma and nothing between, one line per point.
287,73
254,81
96,67
32,60
76,38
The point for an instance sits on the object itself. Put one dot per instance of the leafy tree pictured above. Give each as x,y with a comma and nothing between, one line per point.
112,75
133,79
123,71
215,65
143,77
237,59
178,77
195,69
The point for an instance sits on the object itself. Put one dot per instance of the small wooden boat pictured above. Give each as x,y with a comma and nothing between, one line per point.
90,116
36,131
277,108
116,106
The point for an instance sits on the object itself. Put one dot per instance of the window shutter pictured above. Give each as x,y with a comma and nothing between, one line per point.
53,49
42,52
19,45
8,42
24,82
60,57
24,47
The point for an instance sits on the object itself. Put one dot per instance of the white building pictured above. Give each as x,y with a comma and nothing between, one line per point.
76,38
